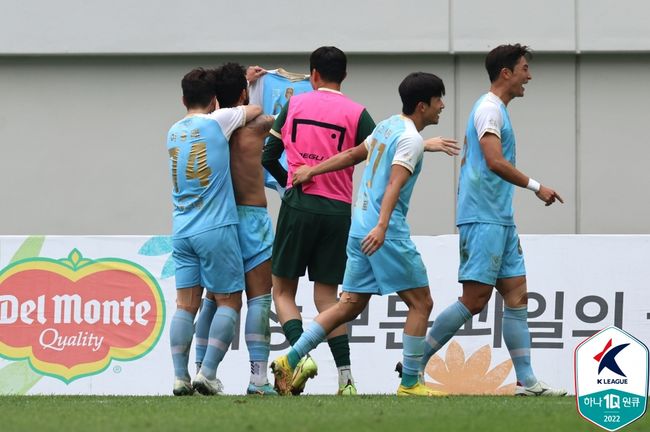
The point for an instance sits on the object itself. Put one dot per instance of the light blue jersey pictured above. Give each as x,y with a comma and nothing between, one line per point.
272,91
483,196
199,163
394,141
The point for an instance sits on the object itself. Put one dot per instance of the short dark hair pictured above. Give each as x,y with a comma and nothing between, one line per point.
198,88
419,87
505,56
330,62
230,80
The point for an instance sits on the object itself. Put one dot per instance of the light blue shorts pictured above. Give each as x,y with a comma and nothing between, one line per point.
489,252
211,259
255,235
396,266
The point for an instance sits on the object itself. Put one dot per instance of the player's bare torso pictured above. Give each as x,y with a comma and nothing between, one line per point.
246,146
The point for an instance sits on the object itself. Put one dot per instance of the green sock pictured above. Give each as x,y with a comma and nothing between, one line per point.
409,380
292,330
340,347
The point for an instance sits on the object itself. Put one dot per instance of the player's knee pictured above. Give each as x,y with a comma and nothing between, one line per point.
193,309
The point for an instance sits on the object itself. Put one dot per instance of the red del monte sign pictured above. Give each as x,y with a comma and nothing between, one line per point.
70,317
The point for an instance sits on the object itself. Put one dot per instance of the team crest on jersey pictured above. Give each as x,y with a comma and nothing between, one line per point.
611,375
71,317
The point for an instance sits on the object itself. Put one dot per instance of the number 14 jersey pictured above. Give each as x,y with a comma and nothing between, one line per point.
199,163
395,141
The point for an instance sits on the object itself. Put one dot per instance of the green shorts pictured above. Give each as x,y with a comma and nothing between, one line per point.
305,240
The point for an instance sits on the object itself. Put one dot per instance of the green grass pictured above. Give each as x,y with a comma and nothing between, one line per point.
306,413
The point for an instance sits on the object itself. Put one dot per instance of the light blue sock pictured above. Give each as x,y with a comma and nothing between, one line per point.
311,337
258,330
181,331
202,331
222,331
444,327
413,351
517,338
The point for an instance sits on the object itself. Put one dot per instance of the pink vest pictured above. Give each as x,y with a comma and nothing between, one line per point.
319,125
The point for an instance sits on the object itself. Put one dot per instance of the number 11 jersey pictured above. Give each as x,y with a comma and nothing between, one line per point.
395,141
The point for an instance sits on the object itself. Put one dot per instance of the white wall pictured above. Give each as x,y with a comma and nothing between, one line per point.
89,90
286,26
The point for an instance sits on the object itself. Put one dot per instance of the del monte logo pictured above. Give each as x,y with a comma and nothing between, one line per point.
70,317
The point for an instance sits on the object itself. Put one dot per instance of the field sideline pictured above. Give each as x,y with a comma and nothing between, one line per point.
306,413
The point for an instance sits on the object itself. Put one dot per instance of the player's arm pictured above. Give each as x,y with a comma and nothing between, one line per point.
251,112
440,144
493,154
274,148
345,159
375,238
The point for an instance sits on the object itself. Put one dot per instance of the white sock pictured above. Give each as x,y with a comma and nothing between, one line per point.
345,375
258,373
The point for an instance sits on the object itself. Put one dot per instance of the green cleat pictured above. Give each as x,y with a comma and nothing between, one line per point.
347,390
305,369
283,375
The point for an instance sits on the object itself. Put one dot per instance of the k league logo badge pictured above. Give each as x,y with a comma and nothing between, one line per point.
611,376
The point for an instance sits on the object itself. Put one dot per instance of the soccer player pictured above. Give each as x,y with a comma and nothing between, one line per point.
255,230
314,219
382,258
205,245
490,252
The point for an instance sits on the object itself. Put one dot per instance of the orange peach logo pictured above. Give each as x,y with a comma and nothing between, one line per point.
454,375
71,317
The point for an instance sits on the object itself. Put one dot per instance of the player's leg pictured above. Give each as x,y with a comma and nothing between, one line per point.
399,269
327,269
420,303
188,299
294,368
222,273
257,331
255,232
478,274
512,286
180,336
326,296
202,328
292,241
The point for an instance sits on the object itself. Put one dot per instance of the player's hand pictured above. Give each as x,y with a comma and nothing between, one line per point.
548,195
373,241
253,73
440,144
302,175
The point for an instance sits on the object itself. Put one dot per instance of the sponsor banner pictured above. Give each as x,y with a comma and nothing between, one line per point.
91,315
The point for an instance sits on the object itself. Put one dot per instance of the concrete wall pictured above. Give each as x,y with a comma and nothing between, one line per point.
90,89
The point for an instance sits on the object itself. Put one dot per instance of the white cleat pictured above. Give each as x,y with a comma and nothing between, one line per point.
207,387
182,388
540,388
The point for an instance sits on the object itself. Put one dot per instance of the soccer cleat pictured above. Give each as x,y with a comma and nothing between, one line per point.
182,388
540,388
348,390
206,386
399,367
283,374
264,390
305,369
418,389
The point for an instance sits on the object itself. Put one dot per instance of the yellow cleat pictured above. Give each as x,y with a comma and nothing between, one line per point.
418,389
283,375
348,390
305,369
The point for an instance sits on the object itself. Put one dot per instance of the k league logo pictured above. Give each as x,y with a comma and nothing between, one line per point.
611,376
